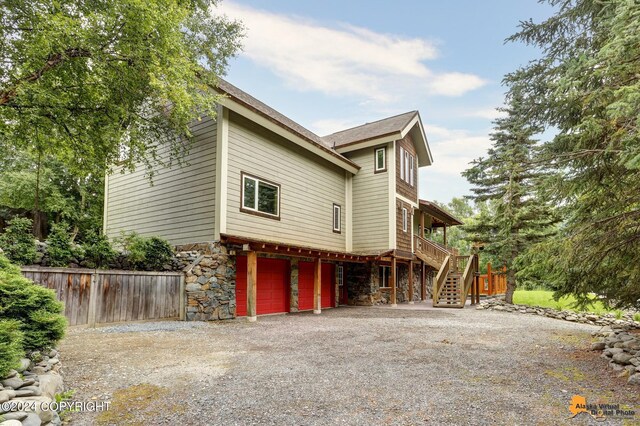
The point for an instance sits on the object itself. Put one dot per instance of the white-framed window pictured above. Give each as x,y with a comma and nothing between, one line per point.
260,196
411,169
384,273
401,163
405,219
406,166
337,218
340,275
381,159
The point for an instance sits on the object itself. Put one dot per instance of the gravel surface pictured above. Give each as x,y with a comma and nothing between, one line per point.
347,366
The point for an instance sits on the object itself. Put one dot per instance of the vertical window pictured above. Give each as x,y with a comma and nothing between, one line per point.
411,169
260,196
384,273
406,166
337,218
405,220
381,160
340,275
401,163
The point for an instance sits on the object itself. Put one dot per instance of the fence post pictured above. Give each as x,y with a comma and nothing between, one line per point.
183,305
93,299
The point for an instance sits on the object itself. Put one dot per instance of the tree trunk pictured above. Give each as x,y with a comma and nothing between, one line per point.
38,230
511,286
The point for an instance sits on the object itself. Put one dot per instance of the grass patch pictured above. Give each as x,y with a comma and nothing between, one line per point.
133,404
544,298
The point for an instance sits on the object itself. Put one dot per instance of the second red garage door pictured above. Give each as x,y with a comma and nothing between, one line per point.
305,285
272,287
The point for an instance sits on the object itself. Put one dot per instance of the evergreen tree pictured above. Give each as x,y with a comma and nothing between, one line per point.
507,180
586,85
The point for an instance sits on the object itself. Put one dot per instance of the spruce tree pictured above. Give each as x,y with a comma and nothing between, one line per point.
586,87
506,179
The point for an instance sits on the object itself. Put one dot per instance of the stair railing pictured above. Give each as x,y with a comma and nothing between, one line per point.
468,276
441,278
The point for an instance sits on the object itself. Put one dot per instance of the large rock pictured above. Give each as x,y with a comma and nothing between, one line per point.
620,358
6,395
32,419
15,415
13,383
51,384
11,423
42,405
24,364
634,379
597,346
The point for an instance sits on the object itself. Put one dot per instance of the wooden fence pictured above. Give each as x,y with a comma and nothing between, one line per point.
98,296
492,283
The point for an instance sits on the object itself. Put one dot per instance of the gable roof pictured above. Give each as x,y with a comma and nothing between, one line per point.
247,101
368,131
440,215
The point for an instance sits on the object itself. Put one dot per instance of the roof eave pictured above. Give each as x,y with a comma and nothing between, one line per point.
234,104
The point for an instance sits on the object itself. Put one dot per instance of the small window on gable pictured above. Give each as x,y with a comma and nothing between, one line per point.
405,220
337,218
411,169
406,166
260,197
401,163
381,160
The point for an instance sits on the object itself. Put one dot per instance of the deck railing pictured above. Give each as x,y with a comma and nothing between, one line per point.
430,249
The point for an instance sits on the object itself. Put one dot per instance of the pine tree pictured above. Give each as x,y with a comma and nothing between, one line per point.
586,86
507,180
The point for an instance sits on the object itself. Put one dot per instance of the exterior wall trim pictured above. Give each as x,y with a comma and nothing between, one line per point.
392,194
222,163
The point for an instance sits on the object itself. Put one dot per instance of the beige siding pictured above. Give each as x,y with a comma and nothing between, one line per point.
179,206
370,203
309,187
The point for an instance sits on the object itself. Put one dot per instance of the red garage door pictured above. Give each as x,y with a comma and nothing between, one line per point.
272,286
305,285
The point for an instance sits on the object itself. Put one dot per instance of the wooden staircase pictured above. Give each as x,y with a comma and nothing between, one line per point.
456,273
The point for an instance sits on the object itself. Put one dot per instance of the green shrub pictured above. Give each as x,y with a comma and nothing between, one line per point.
10,345
17,241
59,245
35,307
147,252
98,251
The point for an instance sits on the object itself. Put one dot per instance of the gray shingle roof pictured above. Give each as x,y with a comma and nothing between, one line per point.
270,113
369,131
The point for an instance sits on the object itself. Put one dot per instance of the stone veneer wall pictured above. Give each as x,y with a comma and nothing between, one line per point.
362,284
210,281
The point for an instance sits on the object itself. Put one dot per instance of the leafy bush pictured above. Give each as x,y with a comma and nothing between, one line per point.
17,241
35,307
98,251
147,252
10,345
59,245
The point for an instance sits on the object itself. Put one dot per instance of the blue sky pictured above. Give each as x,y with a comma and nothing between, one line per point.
331,65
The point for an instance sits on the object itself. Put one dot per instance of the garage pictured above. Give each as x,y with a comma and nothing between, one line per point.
272,286
305,285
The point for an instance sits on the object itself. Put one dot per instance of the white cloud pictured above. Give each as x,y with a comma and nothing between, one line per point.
453,150
488,113
345,60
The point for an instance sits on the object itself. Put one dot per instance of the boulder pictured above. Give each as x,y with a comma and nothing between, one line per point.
11,423
13,383
634,379
597,346
622,358
32,419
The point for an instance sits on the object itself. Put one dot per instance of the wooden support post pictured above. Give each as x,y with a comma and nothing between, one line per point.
393,282
183,299
444,236
423,282
93,299
422,230
489,279
317,286
411,283
252,285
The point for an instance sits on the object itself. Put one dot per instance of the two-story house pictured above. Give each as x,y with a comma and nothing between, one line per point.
309,221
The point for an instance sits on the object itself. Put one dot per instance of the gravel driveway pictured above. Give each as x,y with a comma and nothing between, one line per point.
349,365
